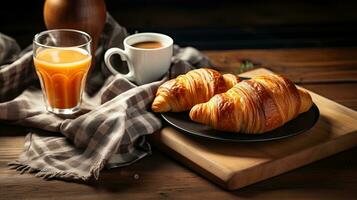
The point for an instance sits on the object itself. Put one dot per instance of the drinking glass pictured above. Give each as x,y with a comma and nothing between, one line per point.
62,59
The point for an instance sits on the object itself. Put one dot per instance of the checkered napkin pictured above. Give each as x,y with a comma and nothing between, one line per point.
109,132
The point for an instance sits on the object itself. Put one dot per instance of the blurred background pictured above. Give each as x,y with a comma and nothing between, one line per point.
209,24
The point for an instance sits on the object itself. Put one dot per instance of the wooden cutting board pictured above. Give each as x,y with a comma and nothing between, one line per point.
235,165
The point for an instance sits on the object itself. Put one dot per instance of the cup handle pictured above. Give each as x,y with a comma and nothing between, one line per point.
124,57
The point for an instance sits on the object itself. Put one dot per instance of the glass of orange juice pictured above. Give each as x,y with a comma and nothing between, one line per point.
62,59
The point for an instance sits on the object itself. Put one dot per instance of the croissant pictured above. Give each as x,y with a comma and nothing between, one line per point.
194,87
257,105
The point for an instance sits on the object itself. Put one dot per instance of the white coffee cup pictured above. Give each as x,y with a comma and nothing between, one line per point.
145,65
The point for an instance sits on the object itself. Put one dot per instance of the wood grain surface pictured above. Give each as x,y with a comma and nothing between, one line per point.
160,177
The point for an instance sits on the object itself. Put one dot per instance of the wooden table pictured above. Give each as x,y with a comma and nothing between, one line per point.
329,72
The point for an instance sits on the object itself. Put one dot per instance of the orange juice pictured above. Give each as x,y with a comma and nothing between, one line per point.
62,73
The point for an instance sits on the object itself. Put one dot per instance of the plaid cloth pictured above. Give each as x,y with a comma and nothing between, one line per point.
110,130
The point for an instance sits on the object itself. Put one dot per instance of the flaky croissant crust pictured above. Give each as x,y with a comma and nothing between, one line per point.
194,87
257,105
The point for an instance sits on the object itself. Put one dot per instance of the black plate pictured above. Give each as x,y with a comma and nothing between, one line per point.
302,123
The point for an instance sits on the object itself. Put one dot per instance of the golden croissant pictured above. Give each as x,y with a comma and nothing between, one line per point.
257,105
196,86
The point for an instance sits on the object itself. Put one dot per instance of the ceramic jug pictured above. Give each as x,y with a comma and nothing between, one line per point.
84,15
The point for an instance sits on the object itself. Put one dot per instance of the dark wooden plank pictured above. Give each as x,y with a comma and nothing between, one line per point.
158,176
301,66
208,24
